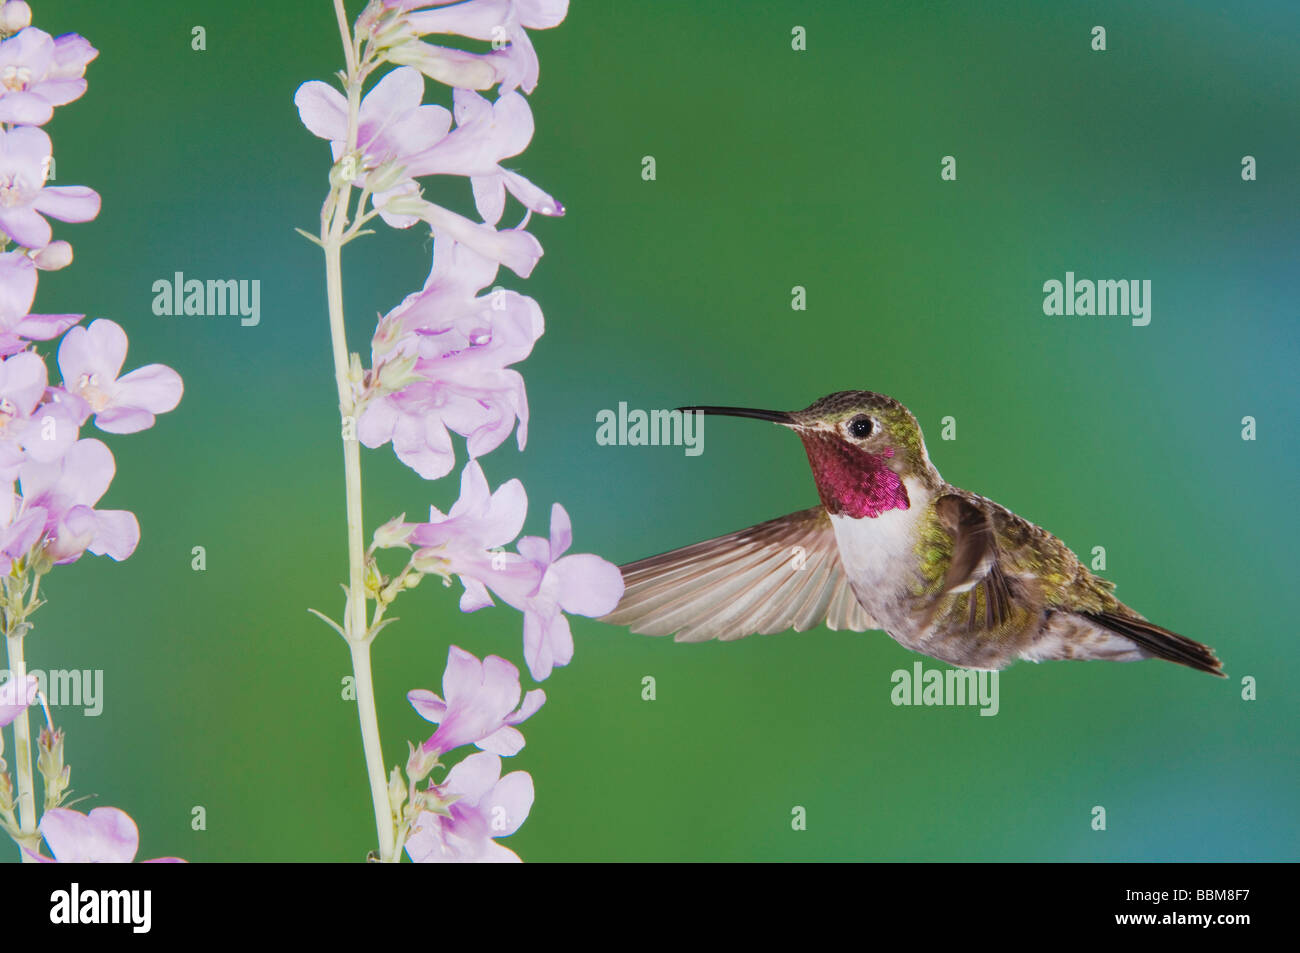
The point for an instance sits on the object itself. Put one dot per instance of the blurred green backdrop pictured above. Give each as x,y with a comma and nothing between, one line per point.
775,168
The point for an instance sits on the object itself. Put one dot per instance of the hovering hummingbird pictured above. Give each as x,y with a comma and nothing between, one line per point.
893,546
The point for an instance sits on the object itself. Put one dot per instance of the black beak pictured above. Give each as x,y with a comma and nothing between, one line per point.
775,416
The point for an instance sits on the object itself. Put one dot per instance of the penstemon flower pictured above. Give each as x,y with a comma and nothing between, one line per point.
104,836
52,479
475,806
481,708
442,364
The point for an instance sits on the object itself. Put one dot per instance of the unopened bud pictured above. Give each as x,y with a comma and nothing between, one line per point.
431,560
53,256
393,533
346,169
420,763
407,203
448,66
396,791
386,177
14,16
399,373
374,579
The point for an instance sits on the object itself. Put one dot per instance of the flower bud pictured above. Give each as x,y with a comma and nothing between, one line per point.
396,791
53,256
374,579
347,168
49,762
448,66
398,374
14,16
385,177
393,534
431,560
420,763
408,203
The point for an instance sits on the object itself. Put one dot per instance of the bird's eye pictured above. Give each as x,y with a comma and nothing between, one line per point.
861,427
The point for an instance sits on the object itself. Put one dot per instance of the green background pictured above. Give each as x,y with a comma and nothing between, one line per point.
775,168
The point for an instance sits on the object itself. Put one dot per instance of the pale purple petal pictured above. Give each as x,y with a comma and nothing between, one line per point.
541,14
535,549
475,596
106,836
117,534
463,677
532,702
507,807
23,380
124,420
561,531
98,349
517,250
489,197
477,20
529,195
323,109
474,778
14,701
505,741
25,225
68,203
430,706
51,431
587,585
45,327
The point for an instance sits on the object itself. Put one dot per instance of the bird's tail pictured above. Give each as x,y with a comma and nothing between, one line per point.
1161,643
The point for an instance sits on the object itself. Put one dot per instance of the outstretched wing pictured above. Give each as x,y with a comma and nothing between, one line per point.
779,575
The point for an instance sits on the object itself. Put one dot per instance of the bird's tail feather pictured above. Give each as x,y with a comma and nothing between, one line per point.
1161,643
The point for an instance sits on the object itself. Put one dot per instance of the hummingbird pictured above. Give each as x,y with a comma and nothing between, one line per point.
892,546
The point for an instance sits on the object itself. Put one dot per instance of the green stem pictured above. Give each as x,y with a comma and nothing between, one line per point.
22,741
355,627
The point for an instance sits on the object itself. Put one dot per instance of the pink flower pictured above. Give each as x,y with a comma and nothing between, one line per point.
485,134
39,72
539,581
41,433
14,702
486,806
67,490
17,537
90,359
17,292
582,584
492,20
513,247
478,521
392,125
462,345
480,708
105,836
25,200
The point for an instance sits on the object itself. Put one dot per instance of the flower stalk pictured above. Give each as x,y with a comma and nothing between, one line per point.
441,364
15,627
334,235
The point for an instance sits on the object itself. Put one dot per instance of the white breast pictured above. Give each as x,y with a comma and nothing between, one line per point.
879,555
